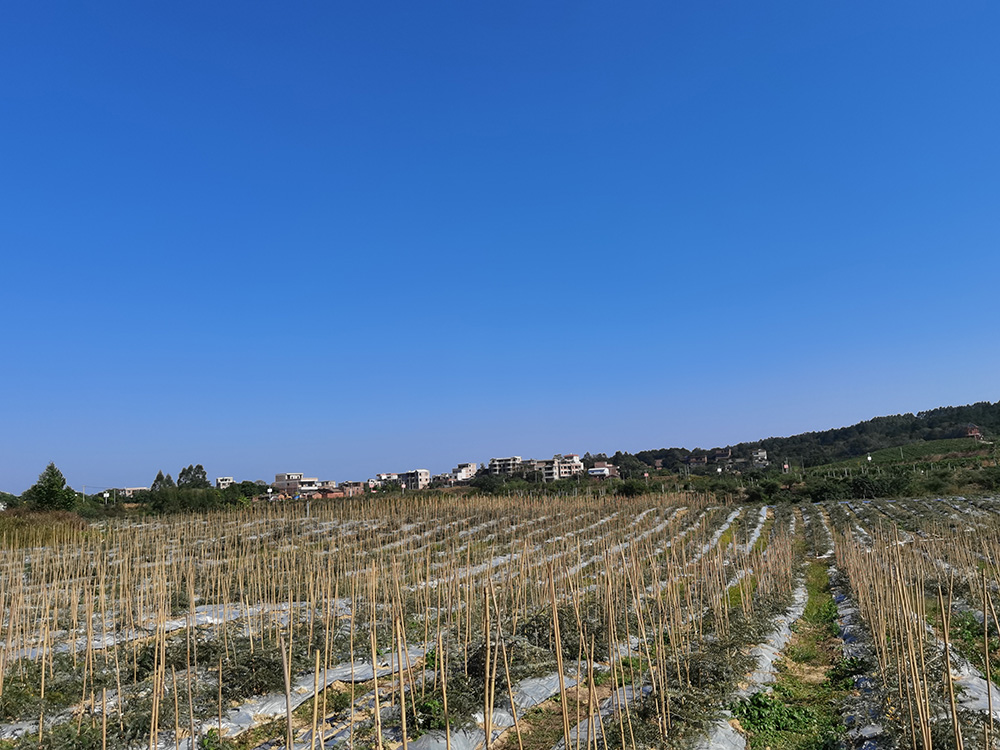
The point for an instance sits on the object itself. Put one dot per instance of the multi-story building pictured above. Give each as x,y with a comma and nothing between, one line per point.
558,467
463,472
351,489
510,465
294,483
530,466
417,479
222,482
561,466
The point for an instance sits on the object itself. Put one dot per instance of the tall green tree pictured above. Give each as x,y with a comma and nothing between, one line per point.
193,477
50,491
161,482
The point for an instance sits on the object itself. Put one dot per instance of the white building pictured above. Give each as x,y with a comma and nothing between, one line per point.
561,466
464,472
509,465
222,482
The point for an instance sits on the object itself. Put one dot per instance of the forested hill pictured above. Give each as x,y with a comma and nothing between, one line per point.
815,448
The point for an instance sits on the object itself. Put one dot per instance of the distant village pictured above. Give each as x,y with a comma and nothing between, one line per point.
296,485
290,485
560,466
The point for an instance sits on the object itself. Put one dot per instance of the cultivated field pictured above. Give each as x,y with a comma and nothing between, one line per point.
513,623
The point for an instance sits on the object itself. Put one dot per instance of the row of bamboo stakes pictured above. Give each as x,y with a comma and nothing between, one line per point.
914,561
456,572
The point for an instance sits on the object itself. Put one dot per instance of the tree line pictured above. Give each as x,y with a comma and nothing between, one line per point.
828,446
638,472
191,492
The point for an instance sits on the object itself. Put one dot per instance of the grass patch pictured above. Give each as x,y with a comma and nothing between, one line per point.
806,653
727,537
803,712
765,536
821,610
743,588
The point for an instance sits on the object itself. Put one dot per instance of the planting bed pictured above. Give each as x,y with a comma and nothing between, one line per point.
516,624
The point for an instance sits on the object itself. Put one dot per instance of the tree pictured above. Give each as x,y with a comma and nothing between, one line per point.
157,484
161,482
50,491
242,492
632,488
629,467
193,477
250,489
590,459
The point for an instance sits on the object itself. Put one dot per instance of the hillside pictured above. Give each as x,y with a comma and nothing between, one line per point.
927,451
843,443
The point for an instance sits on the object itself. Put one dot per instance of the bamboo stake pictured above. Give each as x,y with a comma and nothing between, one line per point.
559,658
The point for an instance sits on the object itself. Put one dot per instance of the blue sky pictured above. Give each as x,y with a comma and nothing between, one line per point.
344,238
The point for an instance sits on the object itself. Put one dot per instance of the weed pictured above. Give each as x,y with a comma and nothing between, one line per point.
804,653
429,714
763,713
842,674
213,741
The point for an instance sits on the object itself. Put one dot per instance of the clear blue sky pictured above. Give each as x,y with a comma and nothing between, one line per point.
345,237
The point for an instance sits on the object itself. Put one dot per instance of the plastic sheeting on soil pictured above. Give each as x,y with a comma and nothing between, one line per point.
973,689
204,615
755,534
717,535
527,694
19,729
580,734
461,739
721,736
269,707
862,712
768,652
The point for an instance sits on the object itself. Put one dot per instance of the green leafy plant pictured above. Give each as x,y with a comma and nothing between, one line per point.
764,713
213,741
842,674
